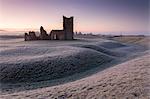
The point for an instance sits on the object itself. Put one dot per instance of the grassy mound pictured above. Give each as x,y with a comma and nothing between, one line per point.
111,44
38,64
102,50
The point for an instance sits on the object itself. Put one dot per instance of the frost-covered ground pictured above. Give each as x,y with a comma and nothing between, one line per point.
35,64
129,80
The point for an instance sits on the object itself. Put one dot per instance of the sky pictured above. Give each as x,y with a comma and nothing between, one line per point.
96,16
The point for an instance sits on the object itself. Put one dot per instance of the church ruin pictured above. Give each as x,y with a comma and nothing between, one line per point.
65,34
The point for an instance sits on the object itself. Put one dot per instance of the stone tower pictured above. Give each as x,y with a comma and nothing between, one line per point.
68,27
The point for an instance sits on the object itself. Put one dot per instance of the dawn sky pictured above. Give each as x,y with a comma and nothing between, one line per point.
130,16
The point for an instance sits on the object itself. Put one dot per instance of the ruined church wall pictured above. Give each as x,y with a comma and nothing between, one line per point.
65,34
57,35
